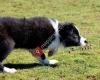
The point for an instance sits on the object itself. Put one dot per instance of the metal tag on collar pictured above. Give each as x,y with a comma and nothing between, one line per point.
37,52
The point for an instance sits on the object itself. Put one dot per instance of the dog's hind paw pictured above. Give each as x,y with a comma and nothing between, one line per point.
9,70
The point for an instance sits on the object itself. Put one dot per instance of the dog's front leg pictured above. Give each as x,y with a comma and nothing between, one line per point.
39,54
44,60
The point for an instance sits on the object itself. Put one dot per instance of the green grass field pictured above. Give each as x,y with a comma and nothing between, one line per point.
76,64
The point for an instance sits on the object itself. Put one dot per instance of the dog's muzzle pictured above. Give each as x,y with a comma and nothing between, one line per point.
83,41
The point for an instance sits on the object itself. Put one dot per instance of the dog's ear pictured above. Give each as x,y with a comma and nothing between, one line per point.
66,26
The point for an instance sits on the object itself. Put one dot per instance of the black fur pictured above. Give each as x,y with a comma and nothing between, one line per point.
23,33
69,34
26,33
30,33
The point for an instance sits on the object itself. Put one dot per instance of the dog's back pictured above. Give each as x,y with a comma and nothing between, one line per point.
26,32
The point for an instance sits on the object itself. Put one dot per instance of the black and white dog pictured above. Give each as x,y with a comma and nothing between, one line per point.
30,33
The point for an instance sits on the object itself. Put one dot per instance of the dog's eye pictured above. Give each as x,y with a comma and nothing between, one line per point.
75,36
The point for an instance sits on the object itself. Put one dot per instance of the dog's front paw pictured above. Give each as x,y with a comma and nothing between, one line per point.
53,62
48,62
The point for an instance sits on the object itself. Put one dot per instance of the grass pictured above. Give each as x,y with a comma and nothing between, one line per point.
74,64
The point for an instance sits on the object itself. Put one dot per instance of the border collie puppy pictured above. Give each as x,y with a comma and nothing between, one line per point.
30,33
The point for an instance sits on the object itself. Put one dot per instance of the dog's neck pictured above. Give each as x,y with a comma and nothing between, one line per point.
55,43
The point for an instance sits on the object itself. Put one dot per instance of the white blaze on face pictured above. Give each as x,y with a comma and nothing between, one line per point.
82,41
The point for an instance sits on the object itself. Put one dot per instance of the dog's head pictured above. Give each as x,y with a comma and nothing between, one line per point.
70,35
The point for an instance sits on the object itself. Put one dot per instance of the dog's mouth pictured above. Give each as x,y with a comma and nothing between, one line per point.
69,43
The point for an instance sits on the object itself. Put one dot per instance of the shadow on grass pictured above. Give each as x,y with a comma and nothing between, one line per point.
27,66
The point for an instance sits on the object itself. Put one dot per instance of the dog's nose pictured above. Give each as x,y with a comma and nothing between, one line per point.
86,42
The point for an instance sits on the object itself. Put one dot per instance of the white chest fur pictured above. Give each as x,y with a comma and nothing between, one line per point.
56,42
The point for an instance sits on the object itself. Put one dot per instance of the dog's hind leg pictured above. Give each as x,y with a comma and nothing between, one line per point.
6,46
